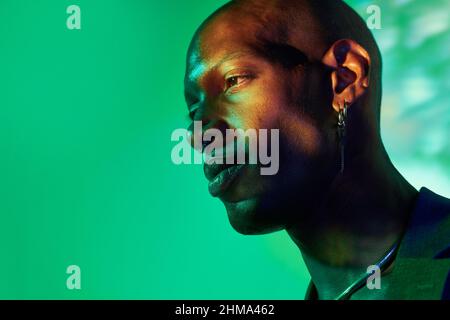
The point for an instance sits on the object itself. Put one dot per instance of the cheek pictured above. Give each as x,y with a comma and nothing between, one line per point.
258,107
269,105
301,134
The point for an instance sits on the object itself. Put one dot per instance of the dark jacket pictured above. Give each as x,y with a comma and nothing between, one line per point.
422,265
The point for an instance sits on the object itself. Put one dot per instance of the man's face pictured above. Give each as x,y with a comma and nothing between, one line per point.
229,86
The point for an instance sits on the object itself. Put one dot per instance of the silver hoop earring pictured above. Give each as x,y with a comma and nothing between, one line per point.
342,118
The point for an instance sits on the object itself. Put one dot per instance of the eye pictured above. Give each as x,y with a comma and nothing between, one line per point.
235,81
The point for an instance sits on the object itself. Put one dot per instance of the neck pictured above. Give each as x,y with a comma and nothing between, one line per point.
361,216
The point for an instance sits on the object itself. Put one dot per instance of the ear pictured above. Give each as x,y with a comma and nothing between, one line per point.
350,77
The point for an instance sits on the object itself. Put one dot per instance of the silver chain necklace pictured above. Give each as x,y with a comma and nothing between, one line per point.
383,264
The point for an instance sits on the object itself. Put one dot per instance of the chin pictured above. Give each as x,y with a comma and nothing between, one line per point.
249,217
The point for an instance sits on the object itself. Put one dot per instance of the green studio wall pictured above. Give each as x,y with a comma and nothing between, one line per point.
86,176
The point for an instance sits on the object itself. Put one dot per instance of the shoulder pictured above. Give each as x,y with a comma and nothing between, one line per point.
428,232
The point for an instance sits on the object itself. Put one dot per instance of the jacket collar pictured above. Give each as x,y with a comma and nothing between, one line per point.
423,260
428,233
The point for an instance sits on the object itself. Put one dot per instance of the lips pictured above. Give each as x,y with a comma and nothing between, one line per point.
221,176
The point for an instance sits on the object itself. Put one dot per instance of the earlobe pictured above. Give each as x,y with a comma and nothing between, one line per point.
350,75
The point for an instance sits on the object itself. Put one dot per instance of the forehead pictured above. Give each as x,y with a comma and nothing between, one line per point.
223,36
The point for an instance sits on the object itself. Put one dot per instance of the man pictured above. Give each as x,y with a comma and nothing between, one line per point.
312,69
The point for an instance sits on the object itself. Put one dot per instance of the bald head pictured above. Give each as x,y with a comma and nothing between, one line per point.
291,31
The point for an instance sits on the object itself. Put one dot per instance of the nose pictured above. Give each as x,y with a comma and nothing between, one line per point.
198,128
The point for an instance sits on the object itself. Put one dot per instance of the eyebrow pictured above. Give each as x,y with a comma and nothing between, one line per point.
199,68
192,73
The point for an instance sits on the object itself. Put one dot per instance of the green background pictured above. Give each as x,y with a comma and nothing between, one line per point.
86,176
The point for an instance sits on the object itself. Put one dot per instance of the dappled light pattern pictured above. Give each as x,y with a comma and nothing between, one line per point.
414,40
